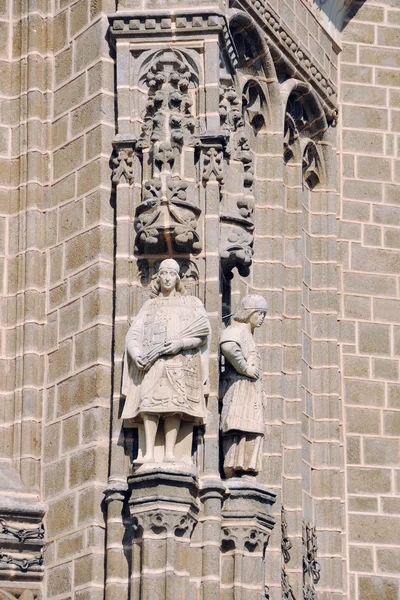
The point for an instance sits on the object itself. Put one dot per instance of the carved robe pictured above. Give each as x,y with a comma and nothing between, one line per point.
242,419
174,384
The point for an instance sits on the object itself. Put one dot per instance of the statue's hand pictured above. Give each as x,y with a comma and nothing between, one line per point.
173,347
253,372
139,362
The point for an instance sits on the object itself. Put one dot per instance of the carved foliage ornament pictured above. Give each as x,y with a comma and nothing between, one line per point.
165,216
237,199
165,211
162,522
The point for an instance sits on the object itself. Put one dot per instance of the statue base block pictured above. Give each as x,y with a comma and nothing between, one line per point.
246,528
163,507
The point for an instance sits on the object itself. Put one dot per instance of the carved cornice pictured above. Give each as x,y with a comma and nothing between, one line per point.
294,51
163,23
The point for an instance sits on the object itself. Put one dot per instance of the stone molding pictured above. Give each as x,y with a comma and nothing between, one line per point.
297,58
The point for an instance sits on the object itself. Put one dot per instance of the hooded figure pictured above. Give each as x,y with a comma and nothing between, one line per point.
242,419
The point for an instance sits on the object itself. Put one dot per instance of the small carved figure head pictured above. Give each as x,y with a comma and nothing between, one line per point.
248,306
167,274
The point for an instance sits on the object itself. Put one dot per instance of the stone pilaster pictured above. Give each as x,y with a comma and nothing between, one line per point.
164,509
246,527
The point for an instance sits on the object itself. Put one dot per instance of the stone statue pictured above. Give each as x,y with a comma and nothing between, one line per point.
242,420
166,362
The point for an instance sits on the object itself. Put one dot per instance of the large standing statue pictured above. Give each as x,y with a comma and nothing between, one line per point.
242,421
165,362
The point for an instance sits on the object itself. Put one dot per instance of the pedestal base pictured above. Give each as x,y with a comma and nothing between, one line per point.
246,528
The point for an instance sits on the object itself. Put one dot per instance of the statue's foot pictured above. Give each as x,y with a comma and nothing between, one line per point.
145,459
169,458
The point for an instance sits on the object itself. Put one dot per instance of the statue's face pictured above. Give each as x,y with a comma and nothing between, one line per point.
168,279
257,318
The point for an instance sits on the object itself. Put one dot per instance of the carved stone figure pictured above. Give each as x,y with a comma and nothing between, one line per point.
166,362
242,421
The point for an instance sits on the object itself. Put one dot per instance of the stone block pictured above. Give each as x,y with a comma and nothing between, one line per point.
356,211
89,504
393,396
363,504
385,369
59,580
379,530
59,361
383,588
356,73
70,433
353,450
375,168
88,465
392,237
356,94
69,95
391,424
372,235
391,505
68,158
361,559
78,16
357,307
368,480
95,424
51,442
89,568
83,388
363,421
387,310
374,338
381,451
91,345
364,118
388,560
88,46
359,32
61,515
388,36
87,246
361,190
54,479
60,30
70,545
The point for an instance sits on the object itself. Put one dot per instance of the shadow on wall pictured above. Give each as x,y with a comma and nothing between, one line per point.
337,13
351,11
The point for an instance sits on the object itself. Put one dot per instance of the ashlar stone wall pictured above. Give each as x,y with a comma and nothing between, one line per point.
79,292
370,304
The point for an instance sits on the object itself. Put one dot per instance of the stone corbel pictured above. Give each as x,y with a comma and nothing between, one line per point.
213,145
123,158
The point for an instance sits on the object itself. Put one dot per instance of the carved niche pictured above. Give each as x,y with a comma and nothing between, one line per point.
167,216
305,123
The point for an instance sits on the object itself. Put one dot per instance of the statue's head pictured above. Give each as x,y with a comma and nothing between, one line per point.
167,271
248,305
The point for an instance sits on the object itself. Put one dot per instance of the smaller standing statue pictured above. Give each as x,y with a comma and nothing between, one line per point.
165,364
242,420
